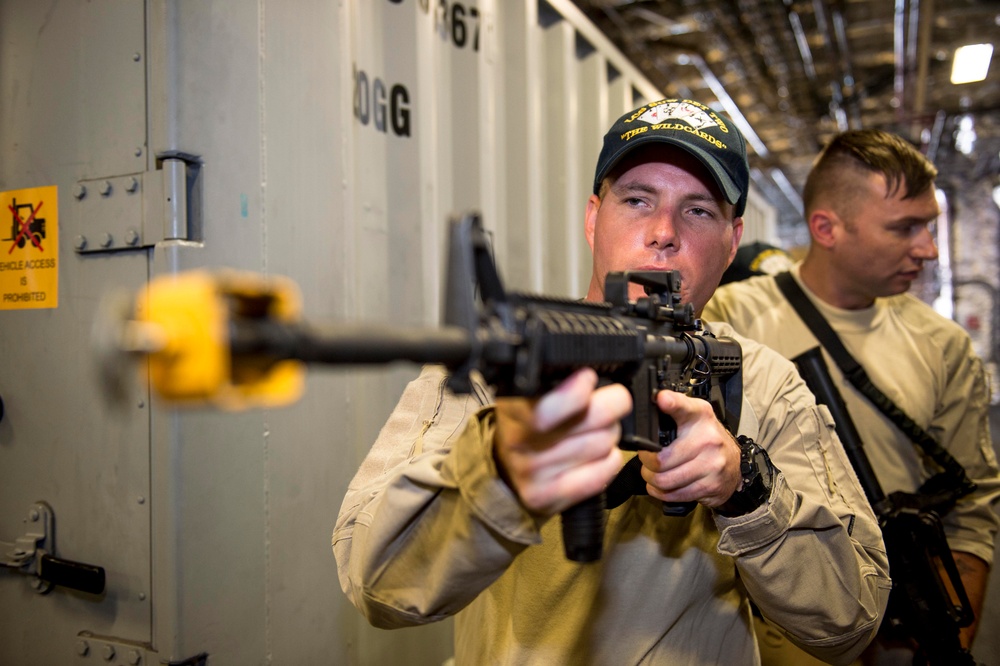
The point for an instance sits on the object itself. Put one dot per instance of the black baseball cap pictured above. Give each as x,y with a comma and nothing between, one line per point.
757,258
709,136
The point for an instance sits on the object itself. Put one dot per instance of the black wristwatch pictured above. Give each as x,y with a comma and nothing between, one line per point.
758,477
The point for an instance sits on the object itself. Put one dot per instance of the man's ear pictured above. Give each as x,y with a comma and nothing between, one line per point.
590,219
823,225
737,236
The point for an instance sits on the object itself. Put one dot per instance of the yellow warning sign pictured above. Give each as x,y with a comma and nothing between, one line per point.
29,248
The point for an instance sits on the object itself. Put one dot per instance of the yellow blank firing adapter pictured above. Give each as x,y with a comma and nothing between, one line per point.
185,326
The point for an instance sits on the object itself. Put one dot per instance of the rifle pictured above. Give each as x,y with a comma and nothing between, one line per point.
522,345
922,609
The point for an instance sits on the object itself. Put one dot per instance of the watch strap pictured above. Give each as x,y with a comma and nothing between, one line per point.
757,473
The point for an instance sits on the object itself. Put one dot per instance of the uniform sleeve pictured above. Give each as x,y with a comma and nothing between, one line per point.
961,424
812,559
426,523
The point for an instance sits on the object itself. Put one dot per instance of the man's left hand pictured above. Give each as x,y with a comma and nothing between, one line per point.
702,464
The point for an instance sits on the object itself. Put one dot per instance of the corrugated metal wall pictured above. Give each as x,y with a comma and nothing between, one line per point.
333,139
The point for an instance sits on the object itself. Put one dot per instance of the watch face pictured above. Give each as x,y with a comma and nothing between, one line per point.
765,469
757,472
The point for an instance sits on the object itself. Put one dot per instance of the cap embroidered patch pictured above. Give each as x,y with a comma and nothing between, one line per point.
689,113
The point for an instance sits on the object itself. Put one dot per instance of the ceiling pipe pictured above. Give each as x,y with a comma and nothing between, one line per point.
899,53
847,72
912,19
835,106
779,178
836,91
923,55
666,25
803,45
844,109
727,102
937,129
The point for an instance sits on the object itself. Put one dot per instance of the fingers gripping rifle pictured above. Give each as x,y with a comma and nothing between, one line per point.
522,345
922,607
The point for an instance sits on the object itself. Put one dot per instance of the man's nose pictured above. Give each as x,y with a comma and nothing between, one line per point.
662,232
924,246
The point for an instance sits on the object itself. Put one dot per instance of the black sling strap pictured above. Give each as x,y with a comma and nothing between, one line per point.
859,378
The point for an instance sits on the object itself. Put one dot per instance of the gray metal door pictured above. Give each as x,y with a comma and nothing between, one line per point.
74,476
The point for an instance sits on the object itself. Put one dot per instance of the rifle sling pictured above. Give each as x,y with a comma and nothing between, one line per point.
859,378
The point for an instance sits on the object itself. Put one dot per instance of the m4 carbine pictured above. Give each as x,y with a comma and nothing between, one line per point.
235,341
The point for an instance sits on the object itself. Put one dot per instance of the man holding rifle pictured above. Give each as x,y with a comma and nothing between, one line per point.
870,202
452,511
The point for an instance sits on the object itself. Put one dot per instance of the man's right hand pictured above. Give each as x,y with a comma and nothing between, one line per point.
562,448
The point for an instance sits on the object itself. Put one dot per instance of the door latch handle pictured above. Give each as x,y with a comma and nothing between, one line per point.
32,555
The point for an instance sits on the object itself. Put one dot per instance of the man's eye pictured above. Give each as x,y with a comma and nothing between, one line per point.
910,230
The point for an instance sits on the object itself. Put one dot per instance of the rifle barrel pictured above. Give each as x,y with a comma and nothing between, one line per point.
347,344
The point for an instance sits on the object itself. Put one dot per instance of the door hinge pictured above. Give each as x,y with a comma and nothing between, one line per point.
142,209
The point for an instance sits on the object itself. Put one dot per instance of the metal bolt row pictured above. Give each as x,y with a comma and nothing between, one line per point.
106,188
107,240
108,652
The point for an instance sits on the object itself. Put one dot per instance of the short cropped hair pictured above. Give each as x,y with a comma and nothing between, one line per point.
867,151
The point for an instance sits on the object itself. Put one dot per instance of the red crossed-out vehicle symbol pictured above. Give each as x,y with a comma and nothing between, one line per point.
32,229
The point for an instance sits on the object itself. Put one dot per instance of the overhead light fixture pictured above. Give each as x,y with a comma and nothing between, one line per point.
971,63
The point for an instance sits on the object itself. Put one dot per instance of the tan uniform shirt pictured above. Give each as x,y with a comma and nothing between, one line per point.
922,361
428,529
